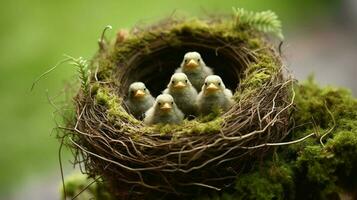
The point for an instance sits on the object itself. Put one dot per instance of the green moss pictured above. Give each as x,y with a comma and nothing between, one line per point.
193,26
257,74
308,170
266,182
189,127
314,103
261,71
106,98
343,147
325,171
224,29
271,184
206,127
317,168
257,79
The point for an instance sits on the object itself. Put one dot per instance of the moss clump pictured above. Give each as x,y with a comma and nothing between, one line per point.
257,75
190,127
308,170
314,102
271,182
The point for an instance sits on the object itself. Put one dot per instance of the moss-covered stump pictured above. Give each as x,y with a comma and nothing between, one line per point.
202,154
310,169
314,168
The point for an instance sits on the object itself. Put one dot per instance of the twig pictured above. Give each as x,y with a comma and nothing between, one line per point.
280,143
61,169
49,71
333,126
86,187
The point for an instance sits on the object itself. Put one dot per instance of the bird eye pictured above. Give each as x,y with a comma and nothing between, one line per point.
206,83
173,82
186,80
185,60
198,60
219,83
159,103
144,89
172,103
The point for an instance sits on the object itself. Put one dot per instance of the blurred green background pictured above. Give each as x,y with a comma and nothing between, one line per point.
35,34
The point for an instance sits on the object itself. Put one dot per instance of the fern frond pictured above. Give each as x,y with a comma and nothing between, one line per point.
83,71
266,21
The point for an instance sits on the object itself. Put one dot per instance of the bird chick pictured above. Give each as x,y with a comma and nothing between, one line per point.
139,99
164,111
184,94
214,96
195,69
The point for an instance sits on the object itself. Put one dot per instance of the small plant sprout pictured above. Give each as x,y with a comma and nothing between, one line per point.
101,40
83,71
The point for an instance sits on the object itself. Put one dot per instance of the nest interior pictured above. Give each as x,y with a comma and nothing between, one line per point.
201,154
155,68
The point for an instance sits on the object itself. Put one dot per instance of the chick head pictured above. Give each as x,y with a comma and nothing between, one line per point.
192,61
138,90
213,84
164,103
179,81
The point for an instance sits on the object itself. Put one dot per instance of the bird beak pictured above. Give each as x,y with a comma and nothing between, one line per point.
179,85
139,93
192,64
212,87
166,107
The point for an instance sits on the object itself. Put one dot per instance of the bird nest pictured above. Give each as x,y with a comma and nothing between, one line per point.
205,153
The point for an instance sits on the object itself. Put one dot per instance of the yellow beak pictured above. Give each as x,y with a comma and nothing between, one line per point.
212,87
139,93
192,64
166,107
179,85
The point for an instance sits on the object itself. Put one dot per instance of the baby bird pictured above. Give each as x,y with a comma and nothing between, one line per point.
214,95
184,94
164,111
139,99
195,69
